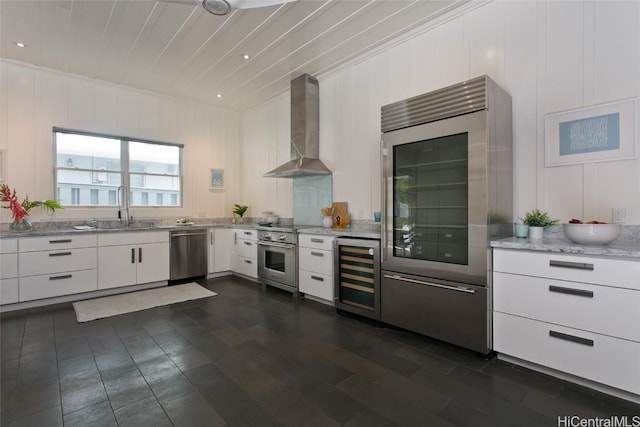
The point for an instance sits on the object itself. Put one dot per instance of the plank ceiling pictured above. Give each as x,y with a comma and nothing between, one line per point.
182,50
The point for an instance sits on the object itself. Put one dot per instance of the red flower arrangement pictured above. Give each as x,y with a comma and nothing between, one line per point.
21,209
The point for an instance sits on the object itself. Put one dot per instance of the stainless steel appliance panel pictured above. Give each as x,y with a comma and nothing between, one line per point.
451,312
188,254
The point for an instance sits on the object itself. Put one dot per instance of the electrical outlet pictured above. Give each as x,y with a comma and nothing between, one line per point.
618,215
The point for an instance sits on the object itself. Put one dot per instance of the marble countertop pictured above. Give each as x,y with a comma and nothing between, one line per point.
554,243
372,232
130,229
67,228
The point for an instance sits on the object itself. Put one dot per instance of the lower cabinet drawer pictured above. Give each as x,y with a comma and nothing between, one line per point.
575,268
8,266
247,248
599,358
316,260
46,262
53,285
315,241
8,291
247,266
316,284
577,305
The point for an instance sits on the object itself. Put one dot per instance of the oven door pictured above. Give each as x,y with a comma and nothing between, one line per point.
277,263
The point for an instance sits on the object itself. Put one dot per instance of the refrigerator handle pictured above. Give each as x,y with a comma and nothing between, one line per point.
435,285
383,207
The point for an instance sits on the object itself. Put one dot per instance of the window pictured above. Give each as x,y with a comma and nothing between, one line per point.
94,197
90,169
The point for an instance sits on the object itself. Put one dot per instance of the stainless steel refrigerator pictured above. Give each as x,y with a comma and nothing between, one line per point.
447,191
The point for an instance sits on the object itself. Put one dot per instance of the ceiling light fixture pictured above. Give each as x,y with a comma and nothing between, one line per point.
216,7
20,44
219,95
245,56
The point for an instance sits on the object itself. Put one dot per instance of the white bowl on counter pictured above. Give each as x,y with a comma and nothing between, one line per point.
592,234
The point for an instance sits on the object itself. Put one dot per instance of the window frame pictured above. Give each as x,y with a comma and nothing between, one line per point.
125,171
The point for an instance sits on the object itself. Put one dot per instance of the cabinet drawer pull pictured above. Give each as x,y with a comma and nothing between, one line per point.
248,233
317,254
571,291
65,276
60,254
569,264
571,338
133,256
60,241
248,243
318,278
248,261
316,240
139,254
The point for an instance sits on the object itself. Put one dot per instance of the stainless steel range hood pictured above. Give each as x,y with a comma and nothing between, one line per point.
305,132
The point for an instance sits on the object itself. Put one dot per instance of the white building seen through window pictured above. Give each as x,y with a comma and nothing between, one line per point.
92,170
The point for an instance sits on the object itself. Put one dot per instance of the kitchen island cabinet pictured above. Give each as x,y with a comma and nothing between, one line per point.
126,259
569,314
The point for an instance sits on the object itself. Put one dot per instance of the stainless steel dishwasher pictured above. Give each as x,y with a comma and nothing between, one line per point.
188,258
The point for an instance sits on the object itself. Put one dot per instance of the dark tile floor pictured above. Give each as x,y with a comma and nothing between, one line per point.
253,358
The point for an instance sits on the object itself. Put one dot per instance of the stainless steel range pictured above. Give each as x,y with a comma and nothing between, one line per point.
278,258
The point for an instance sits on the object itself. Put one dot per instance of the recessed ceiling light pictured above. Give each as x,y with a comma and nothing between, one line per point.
245,56
20,44
219,95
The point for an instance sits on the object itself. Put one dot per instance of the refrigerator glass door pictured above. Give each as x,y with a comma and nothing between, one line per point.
435,220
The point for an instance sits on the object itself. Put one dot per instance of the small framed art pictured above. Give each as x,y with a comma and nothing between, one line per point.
216,179
600,133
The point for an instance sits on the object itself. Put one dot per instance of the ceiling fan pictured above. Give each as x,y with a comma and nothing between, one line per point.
224,7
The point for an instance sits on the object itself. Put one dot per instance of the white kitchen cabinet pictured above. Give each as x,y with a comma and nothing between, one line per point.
211,241
126,259
8,271
220,248
572,313
315,263
244,258
56,266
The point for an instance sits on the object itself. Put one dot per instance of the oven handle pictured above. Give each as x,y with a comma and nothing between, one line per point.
277,245
435,285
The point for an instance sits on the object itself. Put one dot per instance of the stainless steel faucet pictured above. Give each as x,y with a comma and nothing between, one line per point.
123,204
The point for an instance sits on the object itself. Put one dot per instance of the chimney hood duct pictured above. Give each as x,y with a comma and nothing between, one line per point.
305,132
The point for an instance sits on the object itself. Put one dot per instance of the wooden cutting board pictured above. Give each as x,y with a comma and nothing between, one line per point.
340,215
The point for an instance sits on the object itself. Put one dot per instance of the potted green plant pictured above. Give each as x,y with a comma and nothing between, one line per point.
239,210
536,221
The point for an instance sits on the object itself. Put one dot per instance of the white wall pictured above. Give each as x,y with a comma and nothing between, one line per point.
550,56
33,100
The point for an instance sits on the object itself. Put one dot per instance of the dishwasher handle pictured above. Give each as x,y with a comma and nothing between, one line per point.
202,233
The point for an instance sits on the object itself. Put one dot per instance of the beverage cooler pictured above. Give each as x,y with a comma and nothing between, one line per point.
357,276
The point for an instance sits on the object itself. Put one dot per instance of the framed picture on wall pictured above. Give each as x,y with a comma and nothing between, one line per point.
216,179
600,133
